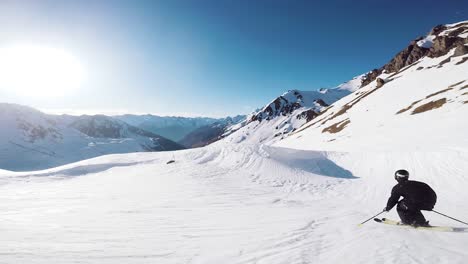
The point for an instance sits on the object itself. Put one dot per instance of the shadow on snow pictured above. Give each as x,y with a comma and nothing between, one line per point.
315,162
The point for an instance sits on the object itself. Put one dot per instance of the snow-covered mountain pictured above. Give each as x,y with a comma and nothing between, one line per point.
30,139
445,44
418,101
171,127
287,113
297,201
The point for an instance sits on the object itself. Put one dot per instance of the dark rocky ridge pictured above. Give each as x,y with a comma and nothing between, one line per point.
442,44
308,115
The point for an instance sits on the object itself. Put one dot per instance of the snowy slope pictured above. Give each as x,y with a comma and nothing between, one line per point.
423,106
30,139
228,204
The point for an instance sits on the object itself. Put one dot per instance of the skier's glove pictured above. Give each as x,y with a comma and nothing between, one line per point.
385,209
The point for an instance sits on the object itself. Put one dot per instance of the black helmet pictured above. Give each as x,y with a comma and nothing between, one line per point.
401,175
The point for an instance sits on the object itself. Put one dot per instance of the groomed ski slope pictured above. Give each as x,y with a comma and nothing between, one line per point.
229,203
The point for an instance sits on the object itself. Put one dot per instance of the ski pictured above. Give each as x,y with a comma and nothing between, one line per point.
432,228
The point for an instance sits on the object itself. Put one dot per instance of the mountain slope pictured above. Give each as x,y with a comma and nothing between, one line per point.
287,113
418,107
30,139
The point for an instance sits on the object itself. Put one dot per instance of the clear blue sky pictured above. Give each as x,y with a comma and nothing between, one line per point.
215,57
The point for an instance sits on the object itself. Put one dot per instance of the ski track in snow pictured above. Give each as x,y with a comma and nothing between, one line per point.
228,204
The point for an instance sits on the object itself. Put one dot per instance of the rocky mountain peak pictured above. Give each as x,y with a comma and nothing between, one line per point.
283,105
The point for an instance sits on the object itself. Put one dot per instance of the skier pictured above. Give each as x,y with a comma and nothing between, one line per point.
416,195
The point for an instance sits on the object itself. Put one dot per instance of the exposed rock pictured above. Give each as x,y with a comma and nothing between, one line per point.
437,29
337,127
409,107
460,50
280,106
462,61
443,44
456,32
321,102
439,92
447,60
429,106
308,115
456,84
380,82
408,56
370,76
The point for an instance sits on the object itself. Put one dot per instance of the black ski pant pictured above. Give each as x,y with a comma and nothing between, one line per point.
410,213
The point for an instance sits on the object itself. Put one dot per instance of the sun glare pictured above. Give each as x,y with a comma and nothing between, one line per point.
39,71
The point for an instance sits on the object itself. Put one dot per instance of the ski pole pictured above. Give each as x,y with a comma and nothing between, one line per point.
449,217
370,218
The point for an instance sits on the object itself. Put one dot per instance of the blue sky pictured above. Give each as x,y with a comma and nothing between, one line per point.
213,57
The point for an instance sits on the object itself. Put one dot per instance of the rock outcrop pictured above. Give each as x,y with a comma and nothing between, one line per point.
440,40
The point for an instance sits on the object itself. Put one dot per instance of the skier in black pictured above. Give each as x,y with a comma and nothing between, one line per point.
416,195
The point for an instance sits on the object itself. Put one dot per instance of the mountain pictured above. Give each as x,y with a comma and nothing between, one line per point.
297,200
417,101
208,134
173,128
287,113
31,140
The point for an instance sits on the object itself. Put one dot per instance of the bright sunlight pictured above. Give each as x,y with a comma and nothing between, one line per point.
39,71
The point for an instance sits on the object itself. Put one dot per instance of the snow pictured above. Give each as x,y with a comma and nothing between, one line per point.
376,126
275,125
456,24
353,84
228,203
426,42
31,140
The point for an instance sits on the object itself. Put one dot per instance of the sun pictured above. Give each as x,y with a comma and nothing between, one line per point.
39,71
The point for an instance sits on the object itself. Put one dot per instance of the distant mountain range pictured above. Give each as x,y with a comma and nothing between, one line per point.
187,131
208,134
173,128
32,140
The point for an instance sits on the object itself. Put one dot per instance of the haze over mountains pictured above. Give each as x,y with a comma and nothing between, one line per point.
174,128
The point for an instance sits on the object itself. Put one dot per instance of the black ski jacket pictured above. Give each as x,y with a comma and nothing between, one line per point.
417,195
